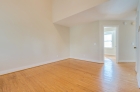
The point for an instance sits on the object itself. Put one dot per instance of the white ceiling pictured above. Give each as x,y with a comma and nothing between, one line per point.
111,10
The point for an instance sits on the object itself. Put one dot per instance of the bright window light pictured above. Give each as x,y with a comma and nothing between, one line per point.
108,40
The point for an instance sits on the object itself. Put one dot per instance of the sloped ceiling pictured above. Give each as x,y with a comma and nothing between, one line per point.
66,8
110,10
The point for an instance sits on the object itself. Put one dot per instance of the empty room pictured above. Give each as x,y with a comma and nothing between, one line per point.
69,46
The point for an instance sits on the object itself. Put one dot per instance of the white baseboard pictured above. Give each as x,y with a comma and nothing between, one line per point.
126,61
97,61
138,79
110,54
29,66
136,68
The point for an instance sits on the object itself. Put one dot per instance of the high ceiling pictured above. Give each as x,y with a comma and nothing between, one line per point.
111,10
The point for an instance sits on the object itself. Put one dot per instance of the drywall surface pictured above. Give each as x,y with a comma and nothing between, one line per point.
84,42
138,44
126,39
74,13
66,8
28,35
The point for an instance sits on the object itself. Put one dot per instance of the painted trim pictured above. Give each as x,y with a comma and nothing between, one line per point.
96,61
101,42
29,66
136,68
138,81
127,61
101,35
110,54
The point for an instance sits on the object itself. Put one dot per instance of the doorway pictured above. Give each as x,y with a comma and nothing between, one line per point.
110,44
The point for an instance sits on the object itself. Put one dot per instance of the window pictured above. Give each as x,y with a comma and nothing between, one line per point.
108,40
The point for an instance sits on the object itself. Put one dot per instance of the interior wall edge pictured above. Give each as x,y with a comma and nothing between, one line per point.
138,79
109,54
29,66
121,61
83,59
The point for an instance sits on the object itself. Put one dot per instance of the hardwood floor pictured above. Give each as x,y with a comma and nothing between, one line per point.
73,76
111,57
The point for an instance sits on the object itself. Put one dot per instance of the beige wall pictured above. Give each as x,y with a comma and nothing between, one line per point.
66,8
28,36
83,37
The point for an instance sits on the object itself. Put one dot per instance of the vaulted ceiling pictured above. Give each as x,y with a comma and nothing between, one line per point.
109,10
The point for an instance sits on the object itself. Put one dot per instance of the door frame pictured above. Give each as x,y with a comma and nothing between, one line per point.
137,41
102,42
138,47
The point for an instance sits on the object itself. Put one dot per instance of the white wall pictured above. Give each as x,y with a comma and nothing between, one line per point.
66,8
126,38
28,36
138,44
111,51
83,37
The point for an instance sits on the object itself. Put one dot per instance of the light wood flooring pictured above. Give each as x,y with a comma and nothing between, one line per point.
73,76
111,57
